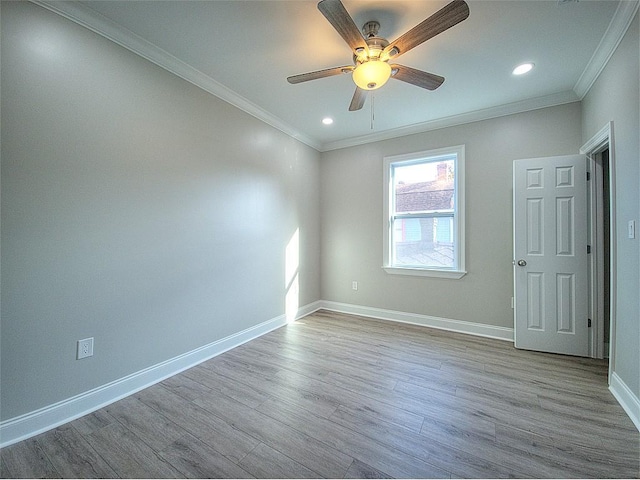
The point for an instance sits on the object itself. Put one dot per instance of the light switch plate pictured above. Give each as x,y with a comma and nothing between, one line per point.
632,229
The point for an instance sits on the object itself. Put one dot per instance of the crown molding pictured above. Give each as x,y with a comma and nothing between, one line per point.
110,30
101,25
469,117
616,30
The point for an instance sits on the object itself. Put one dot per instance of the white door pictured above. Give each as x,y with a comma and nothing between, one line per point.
550,254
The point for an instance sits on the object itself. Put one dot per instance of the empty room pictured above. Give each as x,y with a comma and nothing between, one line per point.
320,239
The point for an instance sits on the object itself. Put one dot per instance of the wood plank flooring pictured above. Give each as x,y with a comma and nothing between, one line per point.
339,396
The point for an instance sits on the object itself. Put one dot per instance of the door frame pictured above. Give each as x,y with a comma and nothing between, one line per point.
597,144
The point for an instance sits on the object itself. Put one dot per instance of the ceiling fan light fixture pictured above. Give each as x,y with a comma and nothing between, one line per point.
372,74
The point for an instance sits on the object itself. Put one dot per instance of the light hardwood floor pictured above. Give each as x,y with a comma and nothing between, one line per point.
340,396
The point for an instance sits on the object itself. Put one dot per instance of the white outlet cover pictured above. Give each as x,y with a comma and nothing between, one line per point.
85,348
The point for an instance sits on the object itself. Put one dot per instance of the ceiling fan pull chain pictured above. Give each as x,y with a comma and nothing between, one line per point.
373,116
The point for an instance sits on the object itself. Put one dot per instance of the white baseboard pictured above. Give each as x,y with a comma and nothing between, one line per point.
46,418
460,326
626,398
309,309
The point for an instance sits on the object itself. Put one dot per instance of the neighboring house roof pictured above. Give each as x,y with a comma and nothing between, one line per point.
417,197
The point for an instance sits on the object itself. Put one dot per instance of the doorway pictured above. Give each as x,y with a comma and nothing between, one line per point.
600,154
599,262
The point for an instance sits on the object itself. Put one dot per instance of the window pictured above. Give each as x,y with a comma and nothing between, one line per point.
424,213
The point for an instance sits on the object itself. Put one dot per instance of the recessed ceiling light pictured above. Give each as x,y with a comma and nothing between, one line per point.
522,69
327,120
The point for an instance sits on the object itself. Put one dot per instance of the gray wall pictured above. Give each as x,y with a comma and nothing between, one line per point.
352,223
148,214
615,97
136,209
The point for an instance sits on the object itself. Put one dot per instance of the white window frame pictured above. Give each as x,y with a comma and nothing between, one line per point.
458,271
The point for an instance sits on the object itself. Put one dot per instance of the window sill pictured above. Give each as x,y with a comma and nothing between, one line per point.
425,272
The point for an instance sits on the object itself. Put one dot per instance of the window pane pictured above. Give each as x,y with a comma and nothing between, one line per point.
423,242
424,208
424,187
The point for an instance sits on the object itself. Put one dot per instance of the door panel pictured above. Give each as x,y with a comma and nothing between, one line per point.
535,300
550,254
535,210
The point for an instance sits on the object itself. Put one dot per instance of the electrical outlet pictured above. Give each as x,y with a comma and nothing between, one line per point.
85,348
354,285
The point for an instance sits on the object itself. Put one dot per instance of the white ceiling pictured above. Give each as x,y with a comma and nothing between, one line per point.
243,50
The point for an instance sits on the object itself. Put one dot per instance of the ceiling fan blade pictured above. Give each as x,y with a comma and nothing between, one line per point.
328,72
338,16
357,102
419,78
445,18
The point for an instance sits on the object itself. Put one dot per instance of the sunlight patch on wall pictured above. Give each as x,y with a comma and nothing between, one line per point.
291,283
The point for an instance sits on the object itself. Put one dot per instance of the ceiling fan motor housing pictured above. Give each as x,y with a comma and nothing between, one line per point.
375,43
370,29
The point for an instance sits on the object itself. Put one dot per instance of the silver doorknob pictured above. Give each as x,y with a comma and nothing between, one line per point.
521,263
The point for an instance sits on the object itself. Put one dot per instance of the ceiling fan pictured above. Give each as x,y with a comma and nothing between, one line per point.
372,54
